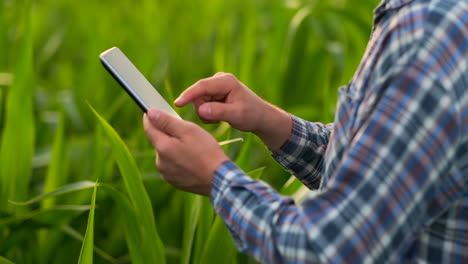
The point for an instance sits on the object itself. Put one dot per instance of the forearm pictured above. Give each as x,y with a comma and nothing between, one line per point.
274,126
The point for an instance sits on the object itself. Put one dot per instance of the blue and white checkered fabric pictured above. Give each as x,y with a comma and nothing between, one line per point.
391,172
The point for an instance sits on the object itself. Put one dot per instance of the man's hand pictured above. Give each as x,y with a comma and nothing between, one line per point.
187,155
224,98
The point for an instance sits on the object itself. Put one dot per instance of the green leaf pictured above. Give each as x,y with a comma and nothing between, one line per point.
151,242
243,160
169,91
133,232
249,42
52,217
291,186
205,222
55,177
17,142
257,173
58,214
86,254
73,187
219,246
192,211
1,113
49,239
5,261
76,235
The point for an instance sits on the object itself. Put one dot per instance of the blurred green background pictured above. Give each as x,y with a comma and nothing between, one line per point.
293,53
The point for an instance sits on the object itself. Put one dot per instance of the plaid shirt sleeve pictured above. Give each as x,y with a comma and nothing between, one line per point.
387,178
303,153
397,173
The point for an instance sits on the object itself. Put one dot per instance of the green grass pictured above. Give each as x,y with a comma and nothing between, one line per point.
17,139
148,246
87,249
53,147
4,261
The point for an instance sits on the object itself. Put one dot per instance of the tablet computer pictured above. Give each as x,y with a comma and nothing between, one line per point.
133,81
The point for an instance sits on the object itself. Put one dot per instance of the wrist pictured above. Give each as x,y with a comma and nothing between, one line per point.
215,164
274,127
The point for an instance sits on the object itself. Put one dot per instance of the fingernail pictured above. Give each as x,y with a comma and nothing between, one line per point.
154,115
206,110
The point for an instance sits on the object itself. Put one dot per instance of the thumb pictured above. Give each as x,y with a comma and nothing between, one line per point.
216,111
165,122
153,134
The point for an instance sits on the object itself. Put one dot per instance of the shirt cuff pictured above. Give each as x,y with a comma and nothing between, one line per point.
302,153
295,142
294,147
224,175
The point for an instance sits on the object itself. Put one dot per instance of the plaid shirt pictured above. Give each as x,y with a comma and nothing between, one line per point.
392,169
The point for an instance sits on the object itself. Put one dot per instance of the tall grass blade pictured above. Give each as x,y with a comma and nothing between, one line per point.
86,254
55,177
76,235
1,118
243,160
3,34
291,186
257,173
52,217
249,41
219,246
73,187
192,211
133,232
151,242
17,142
205,222
170,92
287,54
5,261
